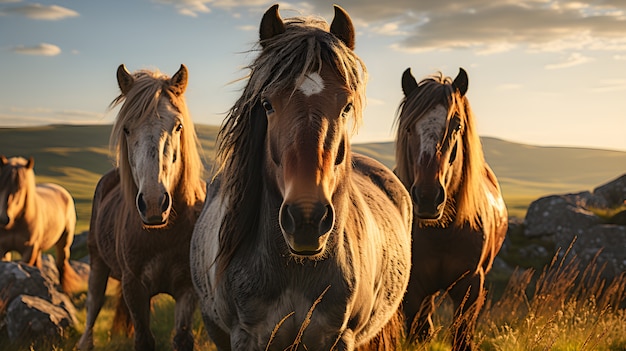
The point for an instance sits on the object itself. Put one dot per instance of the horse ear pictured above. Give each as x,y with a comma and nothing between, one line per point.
124,79
3,160
461,82
342,27
271,24
30,164
178,82
409,84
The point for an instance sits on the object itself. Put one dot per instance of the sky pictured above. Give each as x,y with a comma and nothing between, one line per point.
541,72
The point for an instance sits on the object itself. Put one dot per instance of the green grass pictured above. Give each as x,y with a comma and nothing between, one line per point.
517,317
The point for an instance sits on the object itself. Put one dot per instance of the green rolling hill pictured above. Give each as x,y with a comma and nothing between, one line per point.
76,156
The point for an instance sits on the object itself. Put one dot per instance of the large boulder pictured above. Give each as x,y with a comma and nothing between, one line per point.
570,221
36,308
31,319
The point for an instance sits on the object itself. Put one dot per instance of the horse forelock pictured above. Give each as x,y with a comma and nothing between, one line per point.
470,204
140,106
282,66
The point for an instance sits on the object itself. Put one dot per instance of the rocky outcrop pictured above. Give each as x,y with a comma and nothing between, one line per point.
34,309
575,218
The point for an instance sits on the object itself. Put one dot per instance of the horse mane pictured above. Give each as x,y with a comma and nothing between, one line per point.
141,104
285,59
471,203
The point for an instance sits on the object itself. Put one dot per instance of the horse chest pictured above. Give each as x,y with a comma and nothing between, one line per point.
439,252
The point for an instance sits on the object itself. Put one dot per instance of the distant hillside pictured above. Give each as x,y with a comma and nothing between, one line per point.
76,156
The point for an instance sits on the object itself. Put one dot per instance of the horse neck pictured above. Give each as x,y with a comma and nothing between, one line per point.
31,203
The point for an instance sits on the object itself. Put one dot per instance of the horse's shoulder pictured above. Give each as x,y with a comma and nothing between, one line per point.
106,183
380,176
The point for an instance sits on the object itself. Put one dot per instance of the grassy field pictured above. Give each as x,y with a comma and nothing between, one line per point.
539,310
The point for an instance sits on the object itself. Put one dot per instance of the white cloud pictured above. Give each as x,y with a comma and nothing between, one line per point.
574,59
509,86
492,26
20,116
42,49
610,85
41,12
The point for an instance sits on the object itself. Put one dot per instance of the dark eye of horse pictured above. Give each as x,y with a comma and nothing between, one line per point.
347,109
456,124
453,153
126,131
341,152
179,127
267,106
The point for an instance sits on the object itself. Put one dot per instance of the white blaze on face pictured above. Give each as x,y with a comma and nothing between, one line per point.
431,128
312,84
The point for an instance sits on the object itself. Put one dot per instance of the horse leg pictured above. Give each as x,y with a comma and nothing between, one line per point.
137,298
5,255
468,297
185,307
220,338
31,255
67,276
98,278
418,311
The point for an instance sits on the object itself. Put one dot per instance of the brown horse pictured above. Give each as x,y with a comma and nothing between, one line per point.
144,210
301,245
460,219
35,217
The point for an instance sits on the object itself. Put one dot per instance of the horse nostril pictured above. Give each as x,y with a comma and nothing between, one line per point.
141,204
441,197
415,196
327,221
287,220
166,202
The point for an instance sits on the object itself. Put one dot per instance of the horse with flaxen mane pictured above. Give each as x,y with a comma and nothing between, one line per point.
144,210
302,244
35,217
460,219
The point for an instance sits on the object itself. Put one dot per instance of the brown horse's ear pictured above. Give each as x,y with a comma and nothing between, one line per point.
342,27
271,25
178,82
409,84
30,164
461,82
124,79
3,160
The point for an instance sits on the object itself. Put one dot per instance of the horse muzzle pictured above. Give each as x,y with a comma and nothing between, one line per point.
306,229
428,202
154,213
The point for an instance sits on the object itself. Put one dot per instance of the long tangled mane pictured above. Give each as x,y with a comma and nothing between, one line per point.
471,203
140,105
285,59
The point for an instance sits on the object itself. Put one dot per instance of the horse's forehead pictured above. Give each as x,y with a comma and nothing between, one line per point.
431,127
312,84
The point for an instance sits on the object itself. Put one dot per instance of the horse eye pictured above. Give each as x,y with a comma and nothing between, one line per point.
347,109
267,106
457,124
179,127
126,131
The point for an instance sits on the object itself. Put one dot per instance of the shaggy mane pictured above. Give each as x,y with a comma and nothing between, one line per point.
471,203
305,46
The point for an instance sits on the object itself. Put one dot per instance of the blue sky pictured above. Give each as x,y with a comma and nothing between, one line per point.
540,72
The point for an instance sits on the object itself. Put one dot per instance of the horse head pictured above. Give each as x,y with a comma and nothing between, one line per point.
17,177
149,132
432,122
307,142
